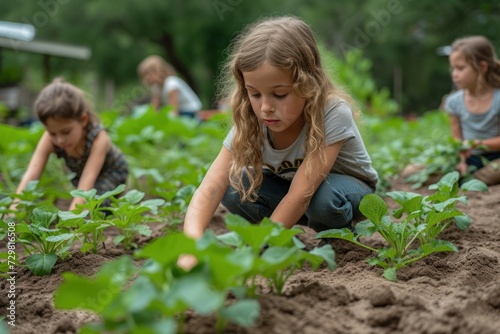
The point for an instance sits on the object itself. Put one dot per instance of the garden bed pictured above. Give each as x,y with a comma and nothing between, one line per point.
445,293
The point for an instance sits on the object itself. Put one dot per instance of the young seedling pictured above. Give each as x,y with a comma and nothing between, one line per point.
31,197
89,219
161,293
426,217
277,253
176,203
128,215
43,243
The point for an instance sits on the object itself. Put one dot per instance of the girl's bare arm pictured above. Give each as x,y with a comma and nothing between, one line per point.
208,196
38,161
100,148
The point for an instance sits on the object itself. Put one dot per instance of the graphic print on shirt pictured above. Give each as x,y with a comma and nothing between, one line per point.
287,169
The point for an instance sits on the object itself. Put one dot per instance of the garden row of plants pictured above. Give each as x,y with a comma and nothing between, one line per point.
223,283
168,157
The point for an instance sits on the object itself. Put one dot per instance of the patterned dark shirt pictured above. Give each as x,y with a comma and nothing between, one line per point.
114,170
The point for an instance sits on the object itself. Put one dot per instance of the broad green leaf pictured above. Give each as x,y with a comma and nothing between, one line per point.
402,197
227,267
327,254
474,185
138,297
242,312
450,202
67,215
277,254
60,237
95,294
373,207
195,291
87,195
253,235
447,182
344,233
133,196
434,218
42,217
167,249
284,236
365,228
230,239
143,230
41,264
118,239
390,274
85,293
462,221
116,191
438,246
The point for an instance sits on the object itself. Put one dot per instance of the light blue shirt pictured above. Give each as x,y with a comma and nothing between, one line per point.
475,125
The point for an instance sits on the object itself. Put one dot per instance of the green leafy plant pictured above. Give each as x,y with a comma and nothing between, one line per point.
276,252
176,203
160,293
31,197
419,219
43,242
88,220
128,215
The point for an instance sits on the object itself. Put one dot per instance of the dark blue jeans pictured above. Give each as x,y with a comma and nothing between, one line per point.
334,205
475,160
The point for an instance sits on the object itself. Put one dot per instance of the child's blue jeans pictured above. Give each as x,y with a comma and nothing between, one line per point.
334,205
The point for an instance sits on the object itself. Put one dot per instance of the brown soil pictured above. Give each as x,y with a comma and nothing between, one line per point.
446,293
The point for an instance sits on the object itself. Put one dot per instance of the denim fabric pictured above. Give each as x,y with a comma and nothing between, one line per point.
475,160
334,205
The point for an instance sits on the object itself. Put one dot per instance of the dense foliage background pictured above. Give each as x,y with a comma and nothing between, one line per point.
399,38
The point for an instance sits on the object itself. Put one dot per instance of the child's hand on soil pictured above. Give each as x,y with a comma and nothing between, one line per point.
187,262
461,168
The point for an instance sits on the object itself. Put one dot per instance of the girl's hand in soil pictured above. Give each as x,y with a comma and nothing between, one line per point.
187,262
461,168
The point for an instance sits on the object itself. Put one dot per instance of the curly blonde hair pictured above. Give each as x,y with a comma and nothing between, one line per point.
288,43
157,64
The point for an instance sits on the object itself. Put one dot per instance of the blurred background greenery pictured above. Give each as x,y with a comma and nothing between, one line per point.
388,48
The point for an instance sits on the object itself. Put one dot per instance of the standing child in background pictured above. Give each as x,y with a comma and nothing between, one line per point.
474,109
294,153
167,88
73,132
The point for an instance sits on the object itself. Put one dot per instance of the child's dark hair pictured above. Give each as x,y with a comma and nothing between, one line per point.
477,49
62,100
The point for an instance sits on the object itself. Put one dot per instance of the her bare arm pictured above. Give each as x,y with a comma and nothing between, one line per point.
37,163
100,148
208,196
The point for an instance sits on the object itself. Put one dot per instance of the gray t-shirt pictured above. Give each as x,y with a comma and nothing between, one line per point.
353,159
475,126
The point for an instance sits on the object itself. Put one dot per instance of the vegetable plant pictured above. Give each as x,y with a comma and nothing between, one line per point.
43,242
417,223
128,215
176,203
276,252
88,220
160,293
